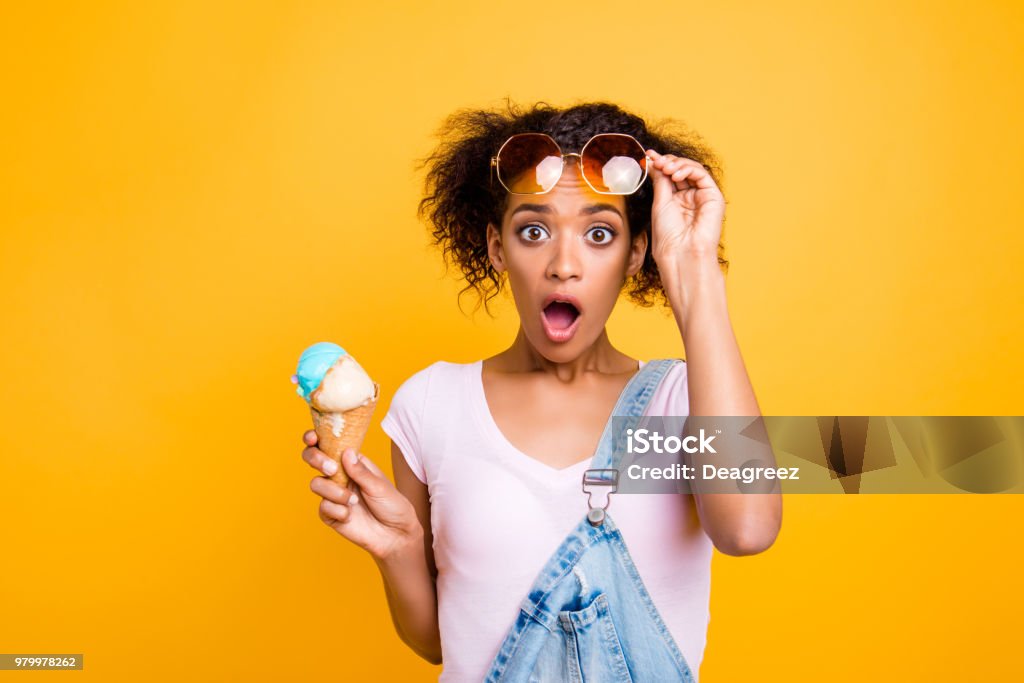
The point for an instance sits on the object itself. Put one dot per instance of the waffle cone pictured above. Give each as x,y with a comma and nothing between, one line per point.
355,424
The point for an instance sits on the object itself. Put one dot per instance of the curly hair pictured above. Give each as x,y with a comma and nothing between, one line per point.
460,198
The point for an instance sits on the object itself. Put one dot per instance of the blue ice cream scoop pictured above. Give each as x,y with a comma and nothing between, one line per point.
313,365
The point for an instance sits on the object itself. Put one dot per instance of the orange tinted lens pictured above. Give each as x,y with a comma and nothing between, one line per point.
614,163
529,163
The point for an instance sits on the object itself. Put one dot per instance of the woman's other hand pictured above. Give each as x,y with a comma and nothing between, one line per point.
371,512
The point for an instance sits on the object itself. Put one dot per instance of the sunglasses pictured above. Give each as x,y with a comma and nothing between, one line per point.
532,163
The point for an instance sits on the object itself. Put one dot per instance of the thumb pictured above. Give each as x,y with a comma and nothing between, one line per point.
363,472
664,188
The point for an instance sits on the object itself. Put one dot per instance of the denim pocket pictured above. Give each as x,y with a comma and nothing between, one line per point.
593,650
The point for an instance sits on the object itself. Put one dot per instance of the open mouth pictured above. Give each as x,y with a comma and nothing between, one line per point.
560,319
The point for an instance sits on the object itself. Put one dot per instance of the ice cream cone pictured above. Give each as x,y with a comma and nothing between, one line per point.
337,431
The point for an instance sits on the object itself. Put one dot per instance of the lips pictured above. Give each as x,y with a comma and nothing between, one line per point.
560,316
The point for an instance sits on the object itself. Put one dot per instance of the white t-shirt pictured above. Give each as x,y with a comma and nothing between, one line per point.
497,516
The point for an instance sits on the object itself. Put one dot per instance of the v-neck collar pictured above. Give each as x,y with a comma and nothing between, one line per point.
485,418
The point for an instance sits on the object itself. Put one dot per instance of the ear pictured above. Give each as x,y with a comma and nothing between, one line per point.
494,248
637,251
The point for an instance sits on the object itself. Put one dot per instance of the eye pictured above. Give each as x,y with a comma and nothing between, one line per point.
533,232
601,234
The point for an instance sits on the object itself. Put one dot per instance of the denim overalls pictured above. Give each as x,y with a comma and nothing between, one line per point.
588,616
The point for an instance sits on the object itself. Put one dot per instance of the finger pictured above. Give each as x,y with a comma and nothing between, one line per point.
367,475
373,467
664,188
687,173
332,491
332,512
675,163
668,161
662,160
318,460
309,437
694,174
670,171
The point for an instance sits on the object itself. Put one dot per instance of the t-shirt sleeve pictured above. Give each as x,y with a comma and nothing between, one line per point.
404,420
672,397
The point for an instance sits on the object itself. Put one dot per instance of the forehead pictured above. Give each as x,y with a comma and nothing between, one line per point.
568,196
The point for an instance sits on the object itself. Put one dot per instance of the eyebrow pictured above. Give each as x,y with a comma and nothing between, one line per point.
585,211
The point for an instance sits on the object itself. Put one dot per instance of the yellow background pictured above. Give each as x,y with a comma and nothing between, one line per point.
193,192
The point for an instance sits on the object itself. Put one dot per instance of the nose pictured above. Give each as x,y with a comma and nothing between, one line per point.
565,261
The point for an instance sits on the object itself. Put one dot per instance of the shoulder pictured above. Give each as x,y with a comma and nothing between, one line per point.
672,395
437,375
420,413
675,378
677,372
437,381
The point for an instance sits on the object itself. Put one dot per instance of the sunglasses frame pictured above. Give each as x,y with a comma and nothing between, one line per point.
579,160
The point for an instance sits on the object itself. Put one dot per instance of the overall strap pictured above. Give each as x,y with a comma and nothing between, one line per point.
632,402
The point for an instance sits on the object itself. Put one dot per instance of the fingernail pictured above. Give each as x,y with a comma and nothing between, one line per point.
330,467
353,457
353,500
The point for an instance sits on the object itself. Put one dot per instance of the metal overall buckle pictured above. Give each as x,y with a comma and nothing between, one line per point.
608,477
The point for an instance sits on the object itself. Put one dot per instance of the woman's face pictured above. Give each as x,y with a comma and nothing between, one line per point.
571,242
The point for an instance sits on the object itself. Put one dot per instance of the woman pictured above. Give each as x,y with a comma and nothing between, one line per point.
488,456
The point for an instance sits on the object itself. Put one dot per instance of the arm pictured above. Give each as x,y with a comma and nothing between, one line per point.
388,522
738,524
686,217
409,575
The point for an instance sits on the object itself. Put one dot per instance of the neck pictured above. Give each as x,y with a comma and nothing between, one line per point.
600,357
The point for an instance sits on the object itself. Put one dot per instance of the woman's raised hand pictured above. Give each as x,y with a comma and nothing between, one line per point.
371,512
688,209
